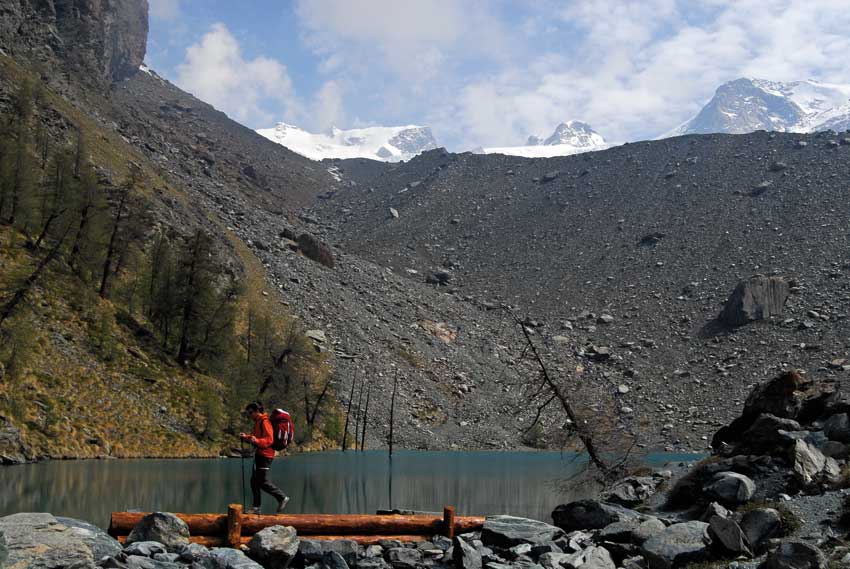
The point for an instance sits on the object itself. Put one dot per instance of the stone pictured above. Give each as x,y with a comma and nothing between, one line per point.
763,436
466,556
275,546
101,543
757,298
810,465
507,531
713,509
193,552
795,554
633,490
597,558
553,559
144,548
759,525
677,545
589,514
727,537
549,176
164,527
439,277
315,249
226,558
166,557
314,550
646,529
330,560
393,213
404,557
373,563
731,488
12,449
374,551
837,428
39,541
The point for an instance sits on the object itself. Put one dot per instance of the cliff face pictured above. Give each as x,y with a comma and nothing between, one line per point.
103,41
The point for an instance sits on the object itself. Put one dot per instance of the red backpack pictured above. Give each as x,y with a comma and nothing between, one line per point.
283,429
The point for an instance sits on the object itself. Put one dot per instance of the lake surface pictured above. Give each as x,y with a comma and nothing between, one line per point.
528,484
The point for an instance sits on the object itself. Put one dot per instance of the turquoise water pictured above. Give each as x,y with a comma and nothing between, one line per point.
528,484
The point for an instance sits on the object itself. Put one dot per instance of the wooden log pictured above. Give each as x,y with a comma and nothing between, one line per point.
122,523
234,525
333,524
449,522
216,541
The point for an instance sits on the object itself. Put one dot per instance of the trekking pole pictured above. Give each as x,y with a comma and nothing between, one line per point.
242,458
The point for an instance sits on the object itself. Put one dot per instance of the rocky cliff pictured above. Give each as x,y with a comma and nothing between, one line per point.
100,41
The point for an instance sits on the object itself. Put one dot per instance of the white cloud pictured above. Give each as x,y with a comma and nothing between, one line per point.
328,109
252,91
167,10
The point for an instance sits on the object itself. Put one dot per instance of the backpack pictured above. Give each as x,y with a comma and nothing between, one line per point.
283,429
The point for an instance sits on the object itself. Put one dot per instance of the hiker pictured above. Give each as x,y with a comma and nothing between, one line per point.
262,437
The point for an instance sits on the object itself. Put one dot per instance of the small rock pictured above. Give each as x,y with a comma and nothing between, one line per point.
731,488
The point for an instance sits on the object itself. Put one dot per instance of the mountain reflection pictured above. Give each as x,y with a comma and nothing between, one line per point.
476,483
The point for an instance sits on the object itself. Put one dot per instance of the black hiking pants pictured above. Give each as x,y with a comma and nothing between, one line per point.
260,481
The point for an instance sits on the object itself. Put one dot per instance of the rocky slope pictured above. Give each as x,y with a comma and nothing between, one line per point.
635,249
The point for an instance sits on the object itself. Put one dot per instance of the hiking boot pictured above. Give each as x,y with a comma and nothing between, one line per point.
254,510
281,504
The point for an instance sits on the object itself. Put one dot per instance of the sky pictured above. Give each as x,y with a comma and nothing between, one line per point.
488,72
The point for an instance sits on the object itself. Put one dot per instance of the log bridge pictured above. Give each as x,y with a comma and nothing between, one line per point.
236,528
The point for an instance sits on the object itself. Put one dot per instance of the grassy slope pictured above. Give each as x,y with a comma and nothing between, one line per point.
82,400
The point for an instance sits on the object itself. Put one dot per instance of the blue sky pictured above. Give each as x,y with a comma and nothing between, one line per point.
488,73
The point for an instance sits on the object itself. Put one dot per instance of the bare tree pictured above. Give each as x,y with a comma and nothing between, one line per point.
392,411
365,418
348,412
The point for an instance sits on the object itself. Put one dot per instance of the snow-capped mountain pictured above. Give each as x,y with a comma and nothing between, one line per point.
389,144
745,105
571,137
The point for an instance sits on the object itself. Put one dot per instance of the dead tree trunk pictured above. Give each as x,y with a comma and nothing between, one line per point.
365,418
392,412
348,413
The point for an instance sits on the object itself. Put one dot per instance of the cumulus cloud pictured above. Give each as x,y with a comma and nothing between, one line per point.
167,10
252,91
637,69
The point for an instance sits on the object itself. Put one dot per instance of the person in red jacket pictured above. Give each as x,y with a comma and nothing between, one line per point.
262,438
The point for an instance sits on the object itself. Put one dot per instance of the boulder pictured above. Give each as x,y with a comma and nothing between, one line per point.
507,531
727,537
837,428
144,548
193,552
142,562
12,449
554,559
633,530
39,541
101,543
811,466
274,546
465,555
713,509
163,527
589,514
331,560
677,545
313,550
597,558
764,437
731,488
315,249
404,557
373,563
759,525
796,555
756,298
226,558
632,491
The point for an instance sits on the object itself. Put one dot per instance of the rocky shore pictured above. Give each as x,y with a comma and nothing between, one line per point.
774,495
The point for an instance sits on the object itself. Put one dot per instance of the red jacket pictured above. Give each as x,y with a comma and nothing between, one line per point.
264,436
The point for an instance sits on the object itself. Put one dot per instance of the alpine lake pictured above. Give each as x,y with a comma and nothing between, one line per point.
527,484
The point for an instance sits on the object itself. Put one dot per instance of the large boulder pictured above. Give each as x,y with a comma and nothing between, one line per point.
40,541
765,435
590,514
811,466
507,531
837,428
274,546
727,537
464,554
677,545
633,490
163,527
333,560
731,488
313,550
226,558
101,543
796,555
404,557
759,525
756,298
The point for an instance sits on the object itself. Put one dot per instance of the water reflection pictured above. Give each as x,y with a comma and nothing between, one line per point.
479,483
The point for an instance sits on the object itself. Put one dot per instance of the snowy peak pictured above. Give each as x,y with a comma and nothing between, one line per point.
571,137
389,144
745,105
